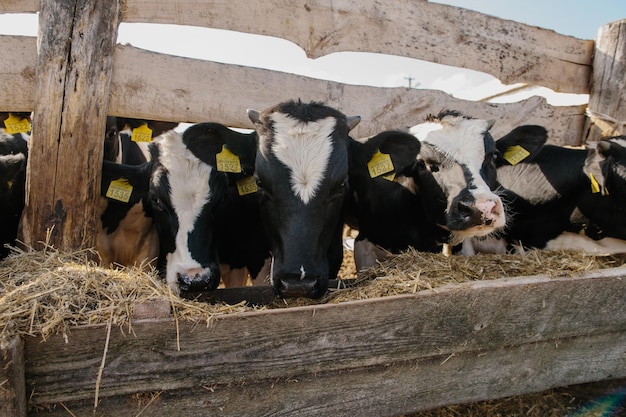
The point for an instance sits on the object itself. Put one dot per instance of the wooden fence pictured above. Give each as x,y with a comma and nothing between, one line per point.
74,74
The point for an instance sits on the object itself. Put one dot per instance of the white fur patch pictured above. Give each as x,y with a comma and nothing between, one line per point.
573,241
460,139
527,181
189,192
305,149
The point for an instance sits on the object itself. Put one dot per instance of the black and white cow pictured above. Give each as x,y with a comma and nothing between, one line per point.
568,198
188,197
302,172
127,235
433,187
13,156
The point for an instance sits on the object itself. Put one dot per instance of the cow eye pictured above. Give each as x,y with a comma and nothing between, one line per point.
157,204
338,191
432,166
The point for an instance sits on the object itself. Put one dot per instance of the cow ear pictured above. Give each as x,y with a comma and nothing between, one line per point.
352,121
522,144
596,154
254,116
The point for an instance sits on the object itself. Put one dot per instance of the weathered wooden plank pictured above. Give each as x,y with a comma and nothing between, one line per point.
390,389
479,316
76,43
17,75
511,51
607,101
19,6
183,89
179,89
12,384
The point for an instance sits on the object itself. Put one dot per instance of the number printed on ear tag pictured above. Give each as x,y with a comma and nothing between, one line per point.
380,164
120,190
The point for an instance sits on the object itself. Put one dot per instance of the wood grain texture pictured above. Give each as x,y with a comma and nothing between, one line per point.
607,100
76,43
19,6
183,89
234,349
511,51
384,390
12,384
17,77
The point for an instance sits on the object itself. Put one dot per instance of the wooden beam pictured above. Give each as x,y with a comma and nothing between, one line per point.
510,51
392,389
76,44
189,90
607,101
12,383
17,78
469,319
19,6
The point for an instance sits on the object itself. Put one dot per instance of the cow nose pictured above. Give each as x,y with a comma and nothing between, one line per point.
295,285
199,279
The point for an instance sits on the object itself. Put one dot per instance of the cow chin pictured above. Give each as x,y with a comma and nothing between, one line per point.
294,286
457,236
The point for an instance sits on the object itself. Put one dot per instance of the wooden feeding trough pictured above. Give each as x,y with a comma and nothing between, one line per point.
383,356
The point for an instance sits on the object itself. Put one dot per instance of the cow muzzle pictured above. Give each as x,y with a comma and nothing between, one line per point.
199,279
477,217
300,285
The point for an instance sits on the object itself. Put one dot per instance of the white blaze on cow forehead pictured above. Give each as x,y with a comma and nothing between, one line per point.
460,139
304,147
189,192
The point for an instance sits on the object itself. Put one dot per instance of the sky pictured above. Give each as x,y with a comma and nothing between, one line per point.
580,19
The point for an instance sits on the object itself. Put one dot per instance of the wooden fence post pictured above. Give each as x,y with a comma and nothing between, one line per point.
74,70
607,99
12,383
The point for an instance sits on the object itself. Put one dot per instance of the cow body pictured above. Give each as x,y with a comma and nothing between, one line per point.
189,199
13,157
437,189
127,235
302,172
568,198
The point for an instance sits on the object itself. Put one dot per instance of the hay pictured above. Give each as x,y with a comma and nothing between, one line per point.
47,292
413,271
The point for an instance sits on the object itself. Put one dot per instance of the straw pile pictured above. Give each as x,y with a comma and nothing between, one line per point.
47,292
414,271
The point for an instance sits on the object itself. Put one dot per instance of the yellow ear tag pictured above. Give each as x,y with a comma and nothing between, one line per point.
142,134
515,154
247,186
379,164
15,125
595,186
227,161
10,184
390,177
120,190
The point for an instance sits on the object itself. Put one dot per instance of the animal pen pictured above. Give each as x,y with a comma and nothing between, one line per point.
390,355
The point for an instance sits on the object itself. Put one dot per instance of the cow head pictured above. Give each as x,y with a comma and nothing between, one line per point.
456,172
606,165
302,172
13,156
185,191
